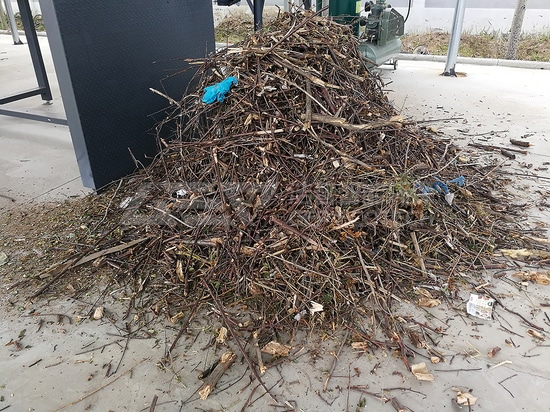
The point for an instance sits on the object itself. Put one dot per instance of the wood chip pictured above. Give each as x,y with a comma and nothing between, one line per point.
428,303
542,278
222,336
98,313
465,398
421,372
276,349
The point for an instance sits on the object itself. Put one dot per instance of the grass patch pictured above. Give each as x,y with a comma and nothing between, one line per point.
534,47
38,22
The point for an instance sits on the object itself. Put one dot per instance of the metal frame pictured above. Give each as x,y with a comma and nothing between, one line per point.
36,117
43,88
454,41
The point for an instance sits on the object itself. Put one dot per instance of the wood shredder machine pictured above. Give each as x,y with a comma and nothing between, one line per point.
379,31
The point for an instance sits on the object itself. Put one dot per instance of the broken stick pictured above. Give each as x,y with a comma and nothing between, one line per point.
261,365
153,403
522,143
419,254
211,380
396,122
493,147
335,361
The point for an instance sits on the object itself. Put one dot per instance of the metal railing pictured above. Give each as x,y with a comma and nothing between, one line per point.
43,89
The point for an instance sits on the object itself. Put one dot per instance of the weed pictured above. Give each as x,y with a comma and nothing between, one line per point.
485,44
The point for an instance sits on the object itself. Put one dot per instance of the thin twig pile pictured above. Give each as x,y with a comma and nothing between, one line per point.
303,196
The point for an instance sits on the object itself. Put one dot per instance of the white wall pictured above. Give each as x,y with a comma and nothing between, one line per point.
424,17
35,6
476,19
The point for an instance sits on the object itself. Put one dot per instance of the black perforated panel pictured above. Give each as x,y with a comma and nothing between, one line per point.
107,55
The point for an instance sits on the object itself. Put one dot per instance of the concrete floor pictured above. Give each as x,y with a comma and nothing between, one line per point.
54,371
37,161
490,105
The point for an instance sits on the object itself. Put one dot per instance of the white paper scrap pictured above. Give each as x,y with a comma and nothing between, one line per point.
480,306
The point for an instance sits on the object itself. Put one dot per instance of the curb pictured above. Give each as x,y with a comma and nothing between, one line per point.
519,64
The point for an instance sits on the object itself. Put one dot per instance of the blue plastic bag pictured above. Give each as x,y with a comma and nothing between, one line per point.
441,187
217,92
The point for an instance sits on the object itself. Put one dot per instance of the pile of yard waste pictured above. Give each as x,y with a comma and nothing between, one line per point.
292,188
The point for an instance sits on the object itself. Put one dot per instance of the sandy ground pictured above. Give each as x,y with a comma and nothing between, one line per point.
65,361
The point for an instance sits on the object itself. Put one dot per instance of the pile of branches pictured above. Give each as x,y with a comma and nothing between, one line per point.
303,195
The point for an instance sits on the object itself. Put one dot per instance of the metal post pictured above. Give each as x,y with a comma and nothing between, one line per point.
34,48
322,4
452,54
318,5
13,24
258,14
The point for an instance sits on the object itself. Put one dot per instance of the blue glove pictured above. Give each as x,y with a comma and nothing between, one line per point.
460,181
424,188
441,187
217,92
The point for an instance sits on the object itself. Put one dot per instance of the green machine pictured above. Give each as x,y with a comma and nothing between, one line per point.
346,12
379,33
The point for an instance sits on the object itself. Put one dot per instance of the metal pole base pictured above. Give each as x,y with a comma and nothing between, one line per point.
454,41
258,14
450,73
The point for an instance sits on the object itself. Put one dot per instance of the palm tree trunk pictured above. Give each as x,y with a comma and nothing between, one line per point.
515,31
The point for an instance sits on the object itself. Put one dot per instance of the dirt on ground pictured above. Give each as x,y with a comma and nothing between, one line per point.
36,238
